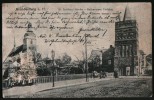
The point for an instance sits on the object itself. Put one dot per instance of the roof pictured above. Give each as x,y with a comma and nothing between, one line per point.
141,52
95,53
17,50
108,54
127,14
29,33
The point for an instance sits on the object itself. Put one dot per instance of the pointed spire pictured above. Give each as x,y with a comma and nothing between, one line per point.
14,42
119,18
127,14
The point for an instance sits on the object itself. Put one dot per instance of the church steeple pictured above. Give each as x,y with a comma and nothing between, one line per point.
14,42
118,17
29,27
127,14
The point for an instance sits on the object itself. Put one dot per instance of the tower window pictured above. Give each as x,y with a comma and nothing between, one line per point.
130,50
109,62
127,51
31,41
123,51
131,33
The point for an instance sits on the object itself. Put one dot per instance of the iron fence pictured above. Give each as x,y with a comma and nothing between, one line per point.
46,79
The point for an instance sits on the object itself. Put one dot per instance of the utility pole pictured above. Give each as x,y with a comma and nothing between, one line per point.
86,58
53,67
102,57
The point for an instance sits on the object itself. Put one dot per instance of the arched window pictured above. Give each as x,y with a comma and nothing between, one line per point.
123,51
31,42
130,48
127,50
120,51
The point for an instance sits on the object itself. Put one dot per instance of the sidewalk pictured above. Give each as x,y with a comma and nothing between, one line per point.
22,90
135,76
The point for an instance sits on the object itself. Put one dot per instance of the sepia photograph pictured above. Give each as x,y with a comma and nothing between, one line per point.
76,50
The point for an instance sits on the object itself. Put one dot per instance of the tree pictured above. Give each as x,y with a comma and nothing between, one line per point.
43,71
81,65
66,59
94,64
97,61
38,57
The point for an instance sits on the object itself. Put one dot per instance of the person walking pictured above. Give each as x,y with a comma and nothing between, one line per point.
100,74
10,81
115,74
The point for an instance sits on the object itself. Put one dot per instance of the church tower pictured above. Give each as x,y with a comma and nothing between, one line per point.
30,39
126,45
29,43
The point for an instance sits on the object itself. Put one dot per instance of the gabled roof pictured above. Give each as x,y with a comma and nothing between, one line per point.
17,50
29,33
95,53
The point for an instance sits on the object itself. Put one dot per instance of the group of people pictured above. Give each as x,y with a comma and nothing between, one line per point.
102,74
95,74
18,81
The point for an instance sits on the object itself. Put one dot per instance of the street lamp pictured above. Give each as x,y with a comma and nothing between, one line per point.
53,55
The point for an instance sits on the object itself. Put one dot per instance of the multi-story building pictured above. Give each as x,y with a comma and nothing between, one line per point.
126,45
142,62
108,59
102,60
95,60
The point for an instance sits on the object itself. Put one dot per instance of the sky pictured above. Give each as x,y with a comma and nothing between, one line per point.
141,12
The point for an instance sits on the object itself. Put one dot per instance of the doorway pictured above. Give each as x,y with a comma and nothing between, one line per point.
127,71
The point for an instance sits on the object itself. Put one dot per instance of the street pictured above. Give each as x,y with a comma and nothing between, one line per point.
122,87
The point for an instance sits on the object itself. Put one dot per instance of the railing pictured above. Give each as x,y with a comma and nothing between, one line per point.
46,79
5,84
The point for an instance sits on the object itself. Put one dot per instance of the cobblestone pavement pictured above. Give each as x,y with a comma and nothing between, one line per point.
122,87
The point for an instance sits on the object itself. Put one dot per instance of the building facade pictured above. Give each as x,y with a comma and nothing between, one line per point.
142,62
126,45
95,61
102,60
108,59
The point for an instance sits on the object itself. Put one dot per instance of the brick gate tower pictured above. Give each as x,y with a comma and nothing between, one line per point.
126,45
